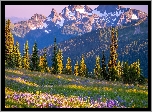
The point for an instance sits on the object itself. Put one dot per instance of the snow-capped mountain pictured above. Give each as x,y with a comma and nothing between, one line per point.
78,19
73,20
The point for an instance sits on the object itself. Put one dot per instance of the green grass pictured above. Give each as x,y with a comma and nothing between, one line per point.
69,86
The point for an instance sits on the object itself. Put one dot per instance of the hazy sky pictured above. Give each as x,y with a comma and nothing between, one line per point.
29,10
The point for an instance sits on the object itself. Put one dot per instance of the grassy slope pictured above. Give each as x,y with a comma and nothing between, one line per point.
24,81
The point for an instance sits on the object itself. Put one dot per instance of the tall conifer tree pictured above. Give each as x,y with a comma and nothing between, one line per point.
103,71
34,65
60,61
76,69
25,59
18,58
97,69
83,67
68,69
112,72
9,44
54,58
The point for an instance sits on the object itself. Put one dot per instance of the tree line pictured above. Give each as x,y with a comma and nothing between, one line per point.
113,71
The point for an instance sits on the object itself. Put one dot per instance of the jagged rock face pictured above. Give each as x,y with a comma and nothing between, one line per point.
78,19
23,27
36,21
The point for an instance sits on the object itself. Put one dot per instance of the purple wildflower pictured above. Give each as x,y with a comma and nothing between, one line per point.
111,103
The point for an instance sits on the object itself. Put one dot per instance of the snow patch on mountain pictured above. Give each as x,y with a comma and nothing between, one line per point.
134,16
49,19
33,28
46,31
81,10
60,22
45,25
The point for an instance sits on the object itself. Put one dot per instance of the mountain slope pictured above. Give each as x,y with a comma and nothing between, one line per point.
132,45
74,20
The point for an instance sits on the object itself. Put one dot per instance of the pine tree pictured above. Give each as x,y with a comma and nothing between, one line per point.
9,44
25,59
125,75
76,69
68,69
18,60
132,73
43,64
60,62
103,70
34,65
83,68
119,70
54,59
112,65
12,63
97,70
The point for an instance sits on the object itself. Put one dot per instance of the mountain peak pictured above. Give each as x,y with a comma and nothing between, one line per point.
87,9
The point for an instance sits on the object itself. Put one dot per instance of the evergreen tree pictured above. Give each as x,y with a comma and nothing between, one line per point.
12,63
34,65
43,63
132,73
119,70
68,69
54,59
76,69
9,44
97,70
25,59
18,56
125,75
83,68
112,65
60,62
103,70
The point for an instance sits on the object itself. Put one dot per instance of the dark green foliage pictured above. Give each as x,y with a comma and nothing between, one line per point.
97,69
54,59
103,70
131,74
34,65
45,61
141,80
125,75
112,75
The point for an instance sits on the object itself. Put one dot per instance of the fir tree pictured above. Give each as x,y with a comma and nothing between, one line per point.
54,59
12,63
125,75
9,44
103,70
97,70
25,59
41,62
44,66
83,68
119,70
34,65
18,58
60,62
112,65
68,69
76,69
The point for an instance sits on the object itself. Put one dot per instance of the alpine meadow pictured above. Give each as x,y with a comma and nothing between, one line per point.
78,58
